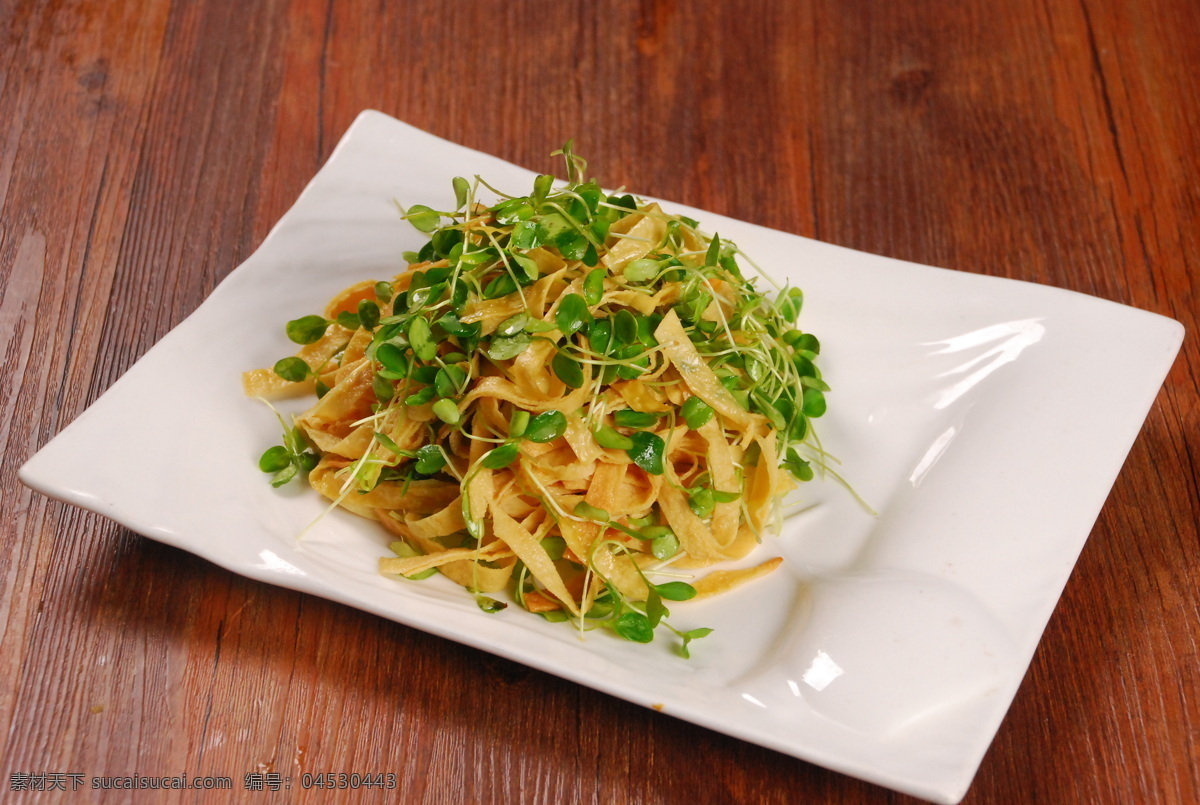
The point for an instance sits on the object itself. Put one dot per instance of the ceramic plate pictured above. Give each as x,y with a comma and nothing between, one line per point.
979,417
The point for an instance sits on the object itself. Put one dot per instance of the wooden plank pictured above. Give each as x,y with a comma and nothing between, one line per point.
148,148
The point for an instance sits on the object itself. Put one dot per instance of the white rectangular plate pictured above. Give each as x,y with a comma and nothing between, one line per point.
981,417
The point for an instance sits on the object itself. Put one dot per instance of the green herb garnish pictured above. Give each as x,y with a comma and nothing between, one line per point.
532,335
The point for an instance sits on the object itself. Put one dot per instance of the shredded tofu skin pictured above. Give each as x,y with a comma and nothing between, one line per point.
570,399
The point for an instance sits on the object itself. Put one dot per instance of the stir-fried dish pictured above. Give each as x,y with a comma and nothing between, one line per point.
571,396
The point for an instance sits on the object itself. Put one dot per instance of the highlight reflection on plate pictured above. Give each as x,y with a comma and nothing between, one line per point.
975,415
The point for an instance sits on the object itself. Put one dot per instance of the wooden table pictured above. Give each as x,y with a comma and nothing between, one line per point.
147,148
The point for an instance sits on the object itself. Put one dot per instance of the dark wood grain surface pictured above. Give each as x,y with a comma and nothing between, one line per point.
146,149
